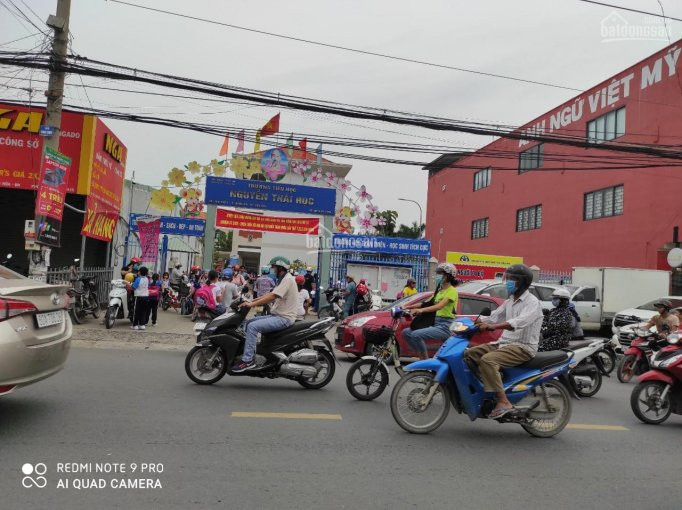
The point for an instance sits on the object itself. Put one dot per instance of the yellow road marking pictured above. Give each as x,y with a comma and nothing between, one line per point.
287,416
590,426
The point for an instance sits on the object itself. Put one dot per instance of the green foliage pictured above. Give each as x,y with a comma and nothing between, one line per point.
414,231
223,241
389,229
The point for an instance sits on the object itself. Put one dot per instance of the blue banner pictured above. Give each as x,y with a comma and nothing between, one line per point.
175,226
395,245
272,196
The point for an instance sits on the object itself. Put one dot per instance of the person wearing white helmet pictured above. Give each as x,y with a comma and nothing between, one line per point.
445,307
557,326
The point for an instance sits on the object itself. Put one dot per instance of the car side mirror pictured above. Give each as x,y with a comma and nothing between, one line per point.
486,312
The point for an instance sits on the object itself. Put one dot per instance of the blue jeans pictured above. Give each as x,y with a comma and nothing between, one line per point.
439,331
261,324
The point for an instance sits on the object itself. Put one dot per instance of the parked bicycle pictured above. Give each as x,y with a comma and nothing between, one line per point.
367,378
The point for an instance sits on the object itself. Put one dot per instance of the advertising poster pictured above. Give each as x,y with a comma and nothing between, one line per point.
285,225
54,176
149,229
480,266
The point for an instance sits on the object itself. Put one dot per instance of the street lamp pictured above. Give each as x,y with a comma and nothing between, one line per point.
420,210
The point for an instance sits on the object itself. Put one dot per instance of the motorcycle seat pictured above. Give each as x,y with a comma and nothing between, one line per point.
578,344
296,327
545,359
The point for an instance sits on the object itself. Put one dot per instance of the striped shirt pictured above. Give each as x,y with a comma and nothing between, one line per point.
525,316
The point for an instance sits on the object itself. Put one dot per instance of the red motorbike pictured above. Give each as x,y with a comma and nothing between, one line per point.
659,391
636,360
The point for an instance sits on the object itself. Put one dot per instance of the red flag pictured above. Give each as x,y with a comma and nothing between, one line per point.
303,144
240,141
226,142
271,127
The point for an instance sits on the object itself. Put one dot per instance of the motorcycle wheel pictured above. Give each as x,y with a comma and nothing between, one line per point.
548,419
165,304
110,317
645,402
367,379
405,405
626,368
592,390
77,313
325,372
608,360
196,369
94,306
324,312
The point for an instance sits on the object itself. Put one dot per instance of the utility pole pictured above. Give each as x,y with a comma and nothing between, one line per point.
38,260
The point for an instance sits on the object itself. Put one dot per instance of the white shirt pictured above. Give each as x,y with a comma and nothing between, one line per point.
230,293
303,296
525,316
287,304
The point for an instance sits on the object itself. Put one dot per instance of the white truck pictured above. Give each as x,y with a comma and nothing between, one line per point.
600,292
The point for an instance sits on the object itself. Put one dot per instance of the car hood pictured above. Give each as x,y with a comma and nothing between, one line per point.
368,313
643,315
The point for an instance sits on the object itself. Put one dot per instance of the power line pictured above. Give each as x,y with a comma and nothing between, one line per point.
346,48
20,39
23,14
629,9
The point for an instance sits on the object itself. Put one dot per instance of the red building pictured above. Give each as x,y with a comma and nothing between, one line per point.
558,206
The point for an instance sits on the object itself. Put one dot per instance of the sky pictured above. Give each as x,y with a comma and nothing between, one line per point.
555,41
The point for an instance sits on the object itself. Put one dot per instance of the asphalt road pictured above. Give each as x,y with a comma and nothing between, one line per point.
122,406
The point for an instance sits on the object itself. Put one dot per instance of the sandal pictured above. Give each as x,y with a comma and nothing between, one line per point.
499,413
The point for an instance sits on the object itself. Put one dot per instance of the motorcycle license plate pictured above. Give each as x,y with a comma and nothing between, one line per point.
199,326
49,319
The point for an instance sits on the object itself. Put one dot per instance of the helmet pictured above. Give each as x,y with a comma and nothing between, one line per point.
411,280
300,280
663,303
237,267
135,260
309,269
520,273
228,272
265,269
279,261
447,268
195,268
362,280
129,277
561,294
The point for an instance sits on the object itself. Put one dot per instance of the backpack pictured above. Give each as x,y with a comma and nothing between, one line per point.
361,289
204,297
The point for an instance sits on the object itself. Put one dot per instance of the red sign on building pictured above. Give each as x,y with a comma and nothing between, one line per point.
286,225
50,200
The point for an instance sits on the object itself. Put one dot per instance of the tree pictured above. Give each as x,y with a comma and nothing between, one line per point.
390,217
223,241
414,231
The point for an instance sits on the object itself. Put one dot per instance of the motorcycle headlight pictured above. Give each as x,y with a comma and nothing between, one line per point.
673,338
361,321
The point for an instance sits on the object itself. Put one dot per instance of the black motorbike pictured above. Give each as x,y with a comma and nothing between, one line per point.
334,306
300,352
83,298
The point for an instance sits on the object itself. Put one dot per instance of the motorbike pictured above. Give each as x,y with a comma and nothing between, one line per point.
118,303
83,298
636,359
367,378
334,306
658,393
539,389
609,354
300,352
586,367
176,297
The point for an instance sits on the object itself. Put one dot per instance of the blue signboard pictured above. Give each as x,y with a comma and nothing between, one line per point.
394,245
273,196
175,226
46,130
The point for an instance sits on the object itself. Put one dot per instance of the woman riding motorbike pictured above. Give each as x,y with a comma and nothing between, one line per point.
558,323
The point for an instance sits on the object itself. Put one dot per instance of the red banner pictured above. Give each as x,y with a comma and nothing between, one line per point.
286,225
105,184
149,229
21,146
50,200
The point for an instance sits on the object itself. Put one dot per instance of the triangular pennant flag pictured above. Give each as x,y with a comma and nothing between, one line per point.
256,147
303,144
226,142
271,127
290,144
240,141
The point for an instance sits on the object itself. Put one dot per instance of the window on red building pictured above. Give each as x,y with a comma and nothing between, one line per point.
532,158
603,203
482,178
606,127
479,228
529,218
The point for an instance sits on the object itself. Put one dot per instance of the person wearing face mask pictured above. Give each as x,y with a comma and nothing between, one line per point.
445,306
520,316
557,326
282,313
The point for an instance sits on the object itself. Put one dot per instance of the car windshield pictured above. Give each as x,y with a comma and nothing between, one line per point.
571,288
472,287
8,274
650,305
402,301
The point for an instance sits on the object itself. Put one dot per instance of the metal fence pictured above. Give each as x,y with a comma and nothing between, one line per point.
103,275
556,277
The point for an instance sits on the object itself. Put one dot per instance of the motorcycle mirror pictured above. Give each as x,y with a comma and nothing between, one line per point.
486,312
9,256
76,260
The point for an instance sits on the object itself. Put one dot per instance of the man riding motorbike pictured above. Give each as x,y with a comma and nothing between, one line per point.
282,314
520,316
557,326
665,321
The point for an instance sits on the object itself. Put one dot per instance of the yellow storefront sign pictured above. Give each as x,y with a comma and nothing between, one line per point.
481,259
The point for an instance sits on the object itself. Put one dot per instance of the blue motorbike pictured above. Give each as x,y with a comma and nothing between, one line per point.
421,400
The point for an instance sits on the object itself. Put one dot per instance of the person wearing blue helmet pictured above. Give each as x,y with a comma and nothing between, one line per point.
264,283
230,292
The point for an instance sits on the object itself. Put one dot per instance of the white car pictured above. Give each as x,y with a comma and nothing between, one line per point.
624,322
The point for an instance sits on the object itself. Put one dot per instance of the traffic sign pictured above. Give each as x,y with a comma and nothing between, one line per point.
46,130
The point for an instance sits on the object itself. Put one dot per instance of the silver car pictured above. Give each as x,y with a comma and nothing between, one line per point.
35,330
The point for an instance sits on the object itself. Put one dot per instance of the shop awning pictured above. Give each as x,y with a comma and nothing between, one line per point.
176,244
